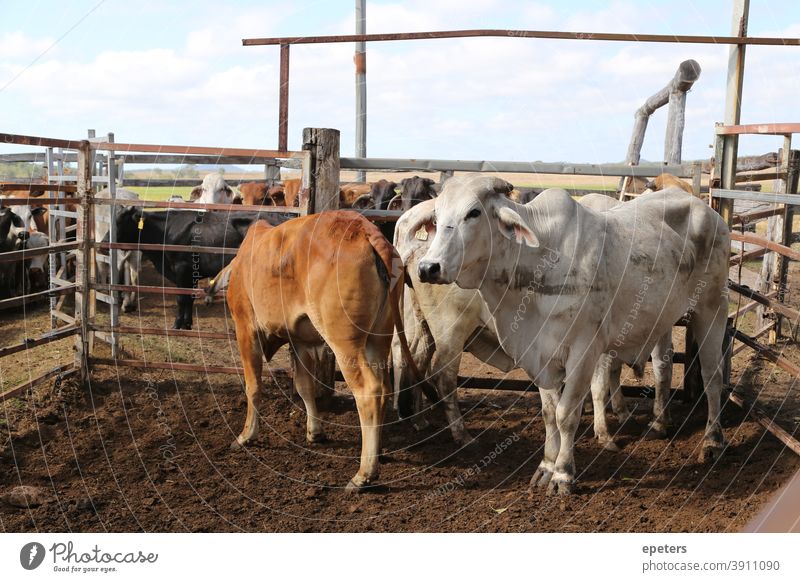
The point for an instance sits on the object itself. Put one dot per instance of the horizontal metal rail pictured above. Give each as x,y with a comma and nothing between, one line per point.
289,210
179,366
203,150
188,333
167,248
615,170
55,335
153,290
22,299
510,33
766,197
766,421
747,256
773,304
64,370
40,200
36,187
46,142
767,244
758,129
13,256
767,353
756,215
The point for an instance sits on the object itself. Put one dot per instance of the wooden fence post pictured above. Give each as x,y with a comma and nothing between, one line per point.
84,261
323,194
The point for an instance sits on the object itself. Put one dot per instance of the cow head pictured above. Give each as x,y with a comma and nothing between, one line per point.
128,221
213,190
382,192
415,190
12,229
472,219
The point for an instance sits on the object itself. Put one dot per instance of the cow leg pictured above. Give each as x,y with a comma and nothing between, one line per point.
445,376
253,351
604,380
662,370
552,440
305,385
709,328
568,415
366,381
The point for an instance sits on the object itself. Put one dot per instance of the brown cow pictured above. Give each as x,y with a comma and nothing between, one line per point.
33,215
665,181
255,194
325,278
350,192
291,192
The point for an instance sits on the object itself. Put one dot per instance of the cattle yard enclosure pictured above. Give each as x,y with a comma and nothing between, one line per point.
95,330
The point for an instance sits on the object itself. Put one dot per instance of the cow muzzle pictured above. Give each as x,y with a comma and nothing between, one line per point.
429,272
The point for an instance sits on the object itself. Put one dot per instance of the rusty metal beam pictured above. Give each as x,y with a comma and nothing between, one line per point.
202,150
30,140
64,370
766,421
283,99
759,129
58,334
505,33
767,244
188,333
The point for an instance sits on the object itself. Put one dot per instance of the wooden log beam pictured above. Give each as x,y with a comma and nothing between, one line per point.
757,414
63,370
767,244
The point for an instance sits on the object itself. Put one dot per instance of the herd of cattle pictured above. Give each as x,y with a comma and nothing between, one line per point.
567,291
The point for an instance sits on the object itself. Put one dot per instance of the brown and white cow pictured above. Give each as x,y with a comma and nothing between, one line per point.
329,278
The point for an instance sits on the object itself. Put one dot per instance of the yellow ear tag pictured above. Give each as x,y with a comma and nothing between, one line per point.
211,282
141,223
421,234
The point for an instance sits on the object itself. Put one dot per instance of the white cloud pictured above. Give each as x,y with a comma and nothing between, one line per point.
19,46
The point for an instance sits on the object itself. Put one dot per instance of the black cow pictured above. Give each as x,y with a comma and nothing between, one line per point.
188,227
13,235
412,192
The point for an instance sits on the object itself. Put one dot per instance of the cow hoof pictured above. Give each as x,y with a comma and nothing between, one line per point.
653,433
236,445
464,440
609,445
560,487
315,439
624,416
354,487
711,451
541,478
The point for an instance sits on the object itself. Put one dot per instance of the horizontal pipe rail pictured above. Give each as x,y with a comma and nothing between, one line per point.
179,366
167,248
506,33
36,187
13,256
766,421
751,196
46,142
47,338
747,256
767,353
202,150
189,333
773,304
64,370
40,201
289,210
758,129
22,299
153,290
767,244
756,215
615,170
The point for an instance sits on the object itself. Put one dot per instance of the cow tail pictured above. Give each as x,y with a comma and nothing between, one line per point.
396,271
219,283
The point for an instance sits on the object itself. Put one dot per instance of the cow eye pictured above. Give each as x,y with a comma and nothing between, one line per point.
474,213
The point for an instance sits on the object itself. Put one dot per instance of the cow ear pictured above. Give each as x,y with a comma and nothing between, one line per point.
514,228
396,203
38,210
501,186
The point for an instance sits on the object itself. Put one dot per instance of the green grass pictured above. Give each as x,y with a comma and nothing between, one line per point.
160,192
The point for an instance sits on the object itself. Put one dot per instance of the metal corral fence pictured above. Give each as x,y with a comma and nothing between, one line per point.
321,164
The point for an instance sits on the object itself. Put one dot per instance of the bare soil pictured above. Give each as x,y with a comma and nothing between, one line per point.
148,450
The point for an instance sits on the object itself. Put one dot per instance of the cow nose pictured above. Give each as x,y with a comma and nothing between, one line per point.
429,271
23,235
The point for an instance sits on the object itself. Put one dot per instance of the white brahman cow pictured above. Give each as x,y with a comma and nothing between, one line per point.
443,321
567,284
128,262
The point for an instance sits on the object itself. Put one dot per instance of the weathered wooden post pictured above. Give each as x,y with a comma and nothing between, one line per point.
322,180
84,261
673,93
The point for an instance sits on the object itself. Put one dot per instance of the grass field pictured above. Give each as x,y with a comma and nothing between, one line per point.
160,192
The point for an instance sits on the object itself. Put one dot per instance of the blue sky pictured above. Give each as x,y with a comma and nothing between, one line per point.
175,72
